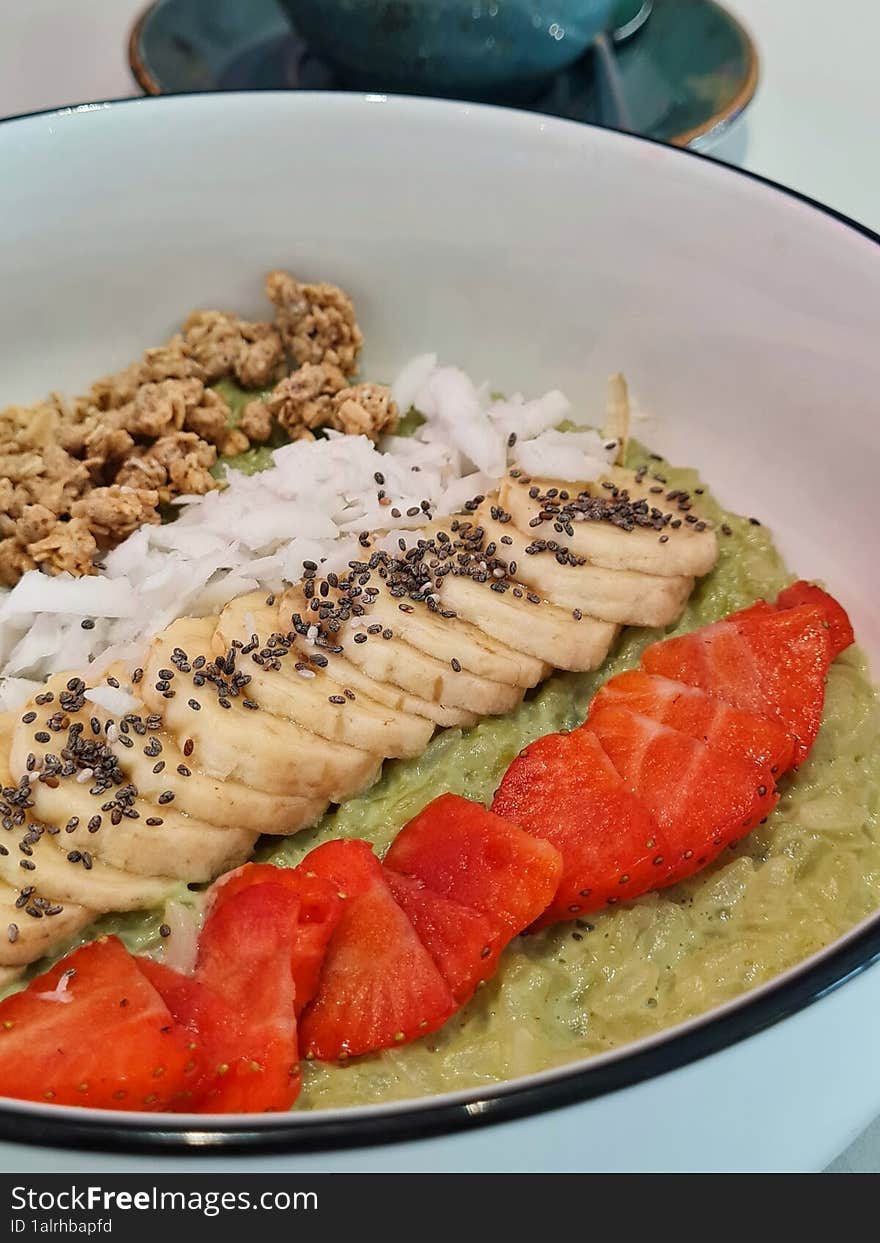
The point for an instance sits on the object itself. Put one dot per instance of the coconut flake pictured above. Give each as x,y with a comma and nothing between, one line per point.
14,692
456,404
527,419
572,456
59,993
460,491
405,388
92,596
113,699
181,944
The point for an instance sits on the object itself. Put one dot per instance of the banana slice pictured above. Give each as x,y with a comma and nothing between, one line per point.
45,870
253,747
147,839
623,597
223,804
539,628
28,934
154,763
348,674
101,887
311,698
441,715
689,549
392,660
448,639
160,842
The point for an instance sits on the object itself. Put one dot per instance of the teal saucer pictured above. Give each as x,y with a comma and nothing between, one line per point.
687,74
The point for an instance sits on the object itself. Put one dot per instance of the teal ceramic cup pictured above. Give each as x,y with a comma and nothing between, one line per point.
475,49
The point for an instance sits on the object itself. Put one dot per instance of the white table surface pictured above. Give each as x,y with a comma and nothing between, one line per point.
812,124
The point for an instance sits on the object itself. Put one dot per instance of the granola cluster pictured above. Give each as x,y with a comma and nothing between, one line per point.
222,344
318,326
316,322
78,477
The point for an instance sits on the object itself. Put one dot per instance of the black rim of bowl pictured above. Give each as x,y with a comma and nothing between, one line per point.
504,1102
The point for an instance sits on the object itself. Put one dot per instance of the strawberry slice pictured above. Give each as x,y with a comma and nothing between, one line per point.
216,1027
464,944
319,912
840,629
758,609
379,987
94,1031
473,856
702,799
564,789
244,959
732,730
348,866
840,635
772,663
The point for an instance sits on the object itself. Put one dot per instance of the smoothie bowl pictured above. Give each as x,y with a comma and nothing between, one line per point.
405,725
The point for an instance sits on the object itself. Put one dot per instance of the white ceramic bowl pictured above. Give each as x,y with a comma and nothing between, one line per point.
534,252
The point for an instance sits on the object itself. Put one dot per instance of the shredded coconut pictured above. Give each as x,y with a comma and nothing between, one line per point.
181,943
59,992
114,699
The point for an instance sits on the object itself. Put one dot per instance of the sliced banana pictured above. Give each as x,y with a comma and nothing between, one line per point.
105,814
623,597
45,869
347,674
253,747
160,842
101,887
453,638
689,549
224,804
154,763
306,693
28,934
392,660
541,629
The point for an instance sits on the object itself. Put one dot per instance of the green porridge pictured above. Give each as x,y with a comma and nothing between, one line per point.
792,886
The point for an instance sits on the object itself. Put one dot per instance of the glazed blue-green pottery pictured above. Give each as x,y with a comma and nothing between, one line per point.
479,49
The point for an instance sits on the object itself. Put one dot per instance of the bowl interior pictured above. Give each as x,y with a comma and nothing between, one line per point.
534,253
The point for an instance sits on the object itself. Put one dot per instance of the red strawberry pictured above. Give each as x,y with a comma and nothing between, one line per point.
759,609
112,1044
469,854
244,959
318,914
217,1028
379,986
464,944
839,626
840,635
563,788
348,866
702,799
687,708
771,663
